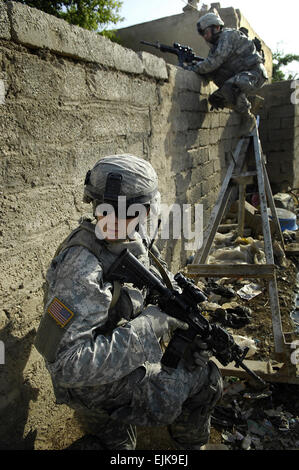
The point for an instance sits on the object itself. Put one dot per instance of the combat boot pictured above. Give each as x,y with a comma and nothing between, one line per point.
257,103
191,429
248,123
111,434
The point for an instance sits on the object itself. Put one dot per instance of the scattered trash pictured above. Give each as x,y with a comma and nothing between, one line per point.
249,291
249,420
287,219
289,236
233,317
245,418
234,388
219,290
245,342
261,429
214,447
258,396
246,442
284,201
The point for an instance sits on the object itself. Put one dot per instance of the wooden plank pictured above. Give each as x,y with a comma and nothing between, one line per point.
270,372
241,210
292,249
264,271
273,207
225,228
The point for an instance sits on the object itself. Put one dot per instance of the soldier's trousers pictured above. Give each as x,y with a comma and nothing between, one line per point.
151,396
233,93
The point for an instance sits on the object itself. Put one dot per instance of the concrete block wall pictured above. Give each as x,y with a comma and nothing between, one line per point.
70,97
279,134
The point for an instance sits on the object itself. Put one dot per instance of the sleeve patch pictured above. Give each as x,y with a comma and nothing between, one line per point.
61,314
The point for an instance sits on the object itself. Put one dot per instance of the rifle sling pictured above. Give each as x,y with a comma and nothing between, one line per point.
162,271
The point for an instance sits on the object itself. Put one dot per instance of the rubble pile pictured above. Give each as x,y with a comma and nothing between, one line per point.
247,419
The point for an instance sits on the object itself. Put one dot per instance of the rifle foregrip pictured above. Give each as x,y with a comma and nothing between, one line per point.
170,360
175,349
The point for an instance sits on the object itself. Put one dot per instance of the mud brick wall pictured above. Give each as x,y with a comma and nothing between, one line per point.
279,134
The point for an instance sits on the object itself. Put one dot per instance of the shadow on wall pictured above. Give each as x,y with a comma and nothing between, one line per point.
16,393
199,144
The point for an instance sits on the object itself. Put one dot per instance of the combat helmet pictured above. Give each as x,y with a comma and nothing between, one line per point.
121,175
209,19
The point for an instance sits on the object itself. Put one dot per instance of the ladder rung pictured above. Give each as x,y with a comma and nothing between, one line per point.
244,177
265,271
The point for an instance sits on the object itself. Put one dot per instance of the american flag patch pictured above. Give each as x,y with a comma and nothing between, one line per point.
61,314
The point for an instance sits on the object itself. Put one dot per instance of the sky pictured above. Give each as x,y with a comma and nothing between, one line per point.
276,22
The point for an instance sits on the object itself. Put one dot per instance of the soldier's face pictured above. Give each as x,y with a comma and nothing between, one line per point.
209,32
115,229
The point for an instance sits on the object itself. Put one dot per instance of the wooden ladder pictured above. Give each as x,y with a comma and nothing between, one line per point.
237,174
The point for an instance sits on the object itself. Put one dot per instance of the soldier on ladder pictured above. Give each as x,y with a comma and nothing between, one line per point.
235,64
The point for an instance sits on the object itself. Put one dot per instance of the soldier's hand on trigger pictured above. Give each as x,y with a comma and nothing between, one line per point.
197,355
162,323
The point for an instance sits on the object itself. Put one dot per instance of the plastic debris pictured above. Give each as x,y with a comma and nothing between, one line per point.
249,291
246,442
245,342
258,396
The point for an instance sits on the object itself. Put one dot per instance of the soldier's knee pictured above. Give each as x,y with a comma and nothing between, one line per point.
209,393
215,384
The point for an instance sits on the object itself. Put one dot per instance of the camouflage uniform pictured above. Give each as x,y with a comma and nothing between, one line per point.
235,67
105,361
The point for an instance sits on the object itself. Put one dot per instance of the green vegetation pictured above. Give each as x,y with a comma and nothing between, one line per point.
94,15
279,60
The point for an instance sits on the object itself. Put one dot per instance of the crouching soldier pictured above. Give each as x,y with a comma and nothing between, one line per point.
101,341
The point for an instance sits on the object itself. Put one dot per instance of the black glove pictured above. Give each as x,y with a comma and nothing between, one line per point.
216,101
197,354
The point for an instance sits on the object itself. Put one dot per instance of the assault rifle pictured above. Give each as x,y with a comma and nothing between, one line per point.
183,306
184,53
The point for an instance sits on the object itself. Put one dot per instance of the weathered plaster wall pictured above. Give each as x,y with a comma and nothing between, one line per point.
68,98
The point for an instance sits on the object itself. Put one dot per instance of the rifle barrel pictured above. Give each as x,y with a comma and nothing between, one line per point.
250,372
150,44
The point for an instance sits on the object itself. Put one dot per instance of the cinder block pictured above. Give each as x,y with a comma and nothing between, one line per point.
203,155
204,137
197,175
214,135
186,80
281,134
205,187
287,123
194,193
153,66
209,169
189,101
217,166
194,120
36,29
287,110
4,22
